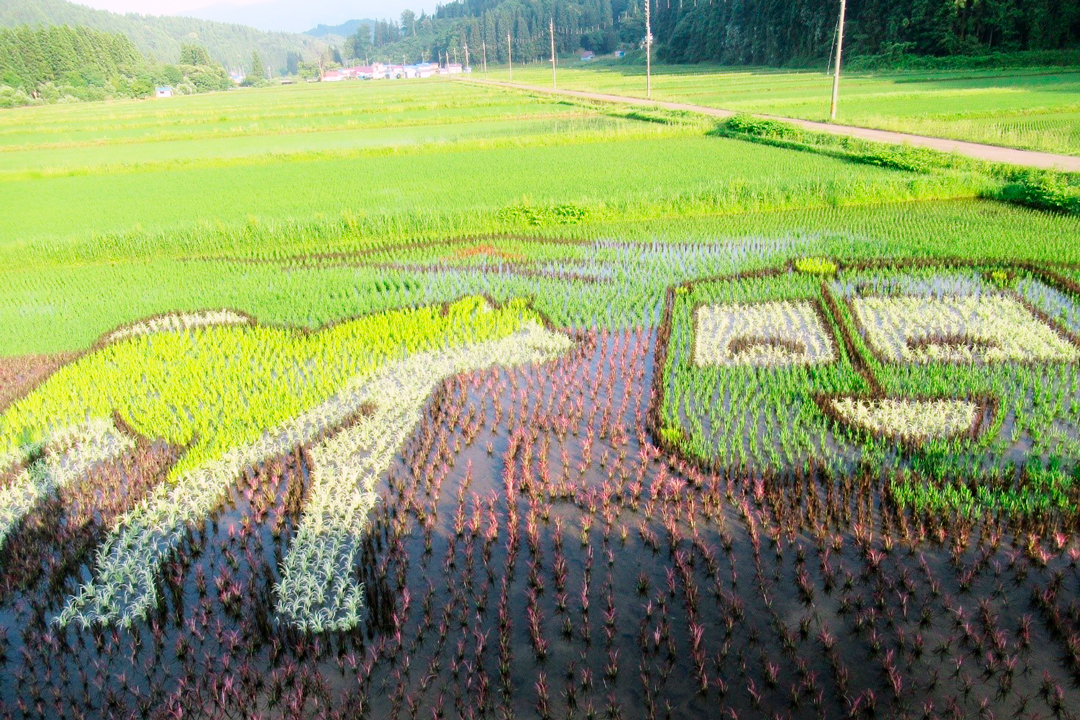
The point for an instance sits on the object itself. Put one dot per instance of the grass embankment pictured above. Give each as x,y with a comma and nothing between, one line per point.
1041,189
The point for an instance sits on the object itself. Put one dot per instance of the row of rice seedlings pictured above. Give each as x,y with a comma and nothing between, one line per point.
464,678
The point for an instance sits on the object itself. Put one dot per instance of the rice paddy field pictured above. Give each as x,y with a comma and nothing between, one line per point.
425,400
1029,108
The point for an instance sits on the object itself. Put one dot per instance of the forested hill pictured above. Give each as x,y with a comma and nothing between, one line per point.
755,32
162,37
30,57
61,63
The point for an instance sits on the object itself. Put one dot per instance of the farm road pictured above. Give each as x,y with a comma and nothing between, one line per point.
991,153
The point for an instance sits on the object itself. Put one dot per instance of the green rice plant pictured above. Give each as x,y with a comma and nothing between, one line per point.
316,592
216,387
816,266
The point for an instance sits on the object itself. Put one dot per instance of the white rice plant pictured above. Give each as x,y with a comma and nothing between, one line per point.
765,334
908,419
128,562
317,591
963,329
70,453
176,322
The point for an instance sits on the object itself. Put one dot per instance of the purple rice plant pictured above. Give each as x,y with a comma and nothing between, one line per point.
534,619
543,707
611,669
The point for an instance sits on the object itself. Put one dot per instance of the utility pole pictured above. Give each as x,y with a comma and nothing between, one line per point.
551,30
466,56
648,50
483,45
836,68
510,56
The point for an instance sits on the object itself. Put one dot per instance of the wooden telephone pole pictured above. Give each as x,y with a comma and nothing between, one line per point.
551,31
483,45
836,68
510,56
648,50
466,55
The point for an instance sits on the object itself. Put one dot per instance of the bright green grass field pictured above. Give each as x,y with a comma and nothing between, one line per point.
449,184
1031,108
299,109
154,194
313,119
97,232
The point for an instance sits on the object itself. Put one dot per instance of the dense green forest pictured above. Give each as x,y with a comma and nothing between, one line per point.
161,38
64,64
777,32
735,32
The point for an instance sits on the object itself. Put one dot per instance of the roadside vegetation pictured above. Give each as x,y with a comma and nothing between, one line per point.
1030,107
1042,189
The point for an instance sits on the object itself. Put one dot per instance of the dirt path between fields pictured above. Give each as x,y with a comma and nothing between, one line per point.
991,153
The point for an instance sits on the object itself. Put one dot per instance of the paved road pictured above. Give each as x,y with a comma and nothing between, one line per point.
993,153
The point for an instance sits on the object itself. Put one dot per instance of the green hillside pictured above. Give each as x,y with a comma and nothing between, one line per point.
161,37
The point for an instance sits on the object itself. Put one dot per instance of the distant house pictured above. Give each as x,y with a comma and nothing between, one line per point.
383,71
620,53
426,70
163,92
360,72
237,76
588,56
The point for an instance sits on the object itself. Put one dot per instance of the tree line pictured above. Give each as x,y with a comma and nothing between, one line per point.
483,25
734,32
781,32
62,63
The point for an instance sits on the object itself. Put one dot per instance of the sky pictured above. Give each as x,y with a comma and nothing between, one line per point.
154,7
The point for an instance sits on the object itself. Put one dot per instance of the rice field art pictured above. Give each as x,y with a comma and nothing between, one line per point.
559,478
956,380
